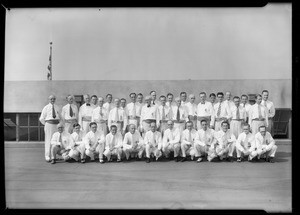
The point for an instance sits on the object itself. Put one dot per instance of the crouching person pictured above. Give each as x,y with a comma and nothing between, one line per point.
188,141
171,141
113,144
60,144
245,144
77,146
133,144
265,145
94,143
153,143
224,142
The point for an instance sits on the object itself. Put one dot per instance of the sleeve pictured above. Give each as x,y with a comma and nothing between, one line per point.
107,142
253,145
76,112
93,117
233,138
165,137
109,120
238,143
80,117
186,114
125,140
72,141
183,139
68,139
43,116
102,139
272,111
212,120
257,142
125,120
159,142
120,141
250,116
63,114
146,139
157,117
198,141
54,139
86,141
272,142
215,139
267,116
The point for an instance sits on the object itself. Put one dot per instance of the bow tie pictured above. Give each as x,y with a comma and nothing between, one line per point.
148,106
88,104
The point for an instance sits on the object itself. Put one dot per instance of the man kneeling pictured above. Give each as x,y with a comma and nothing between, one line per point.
133,143
113,144
171,141
153,142
77,145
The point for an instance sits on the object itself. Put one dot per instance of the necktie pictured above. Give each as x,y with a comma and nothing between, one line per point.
190,136
71,111
117,115
148,106
133,110
237,113
53,112
259,111
88,104
178,114
101,113
154,138
219,110
60,140
163,113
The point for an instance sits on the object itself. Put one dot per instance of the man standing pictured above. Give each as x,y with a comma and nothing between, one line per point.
113,144
265,144
183,97
134,111
188,141
179,115
228,99
77,145
258,115
149,114
221,112
203,142
69,114
133,143
94,100
205,111
60,142
153,143
118,117
170,100
212,97
164,114
140,99
100,116
246,105
108,105
237,117
245,144
224,142
94,143
123,105
154,102
85,114
192,110
50,117
271,110
171,141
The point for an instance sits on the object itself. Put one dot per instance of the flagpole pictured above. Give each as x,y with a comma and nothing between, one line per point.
50,61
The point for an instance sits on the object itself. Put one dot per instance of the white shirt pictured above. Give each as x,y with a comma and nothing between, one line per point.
270,107
109,106
266,142
168,112
205,138
65,137
118,142
65,113
172,104
253,113
149,113
132,139
86,112
205,109
246,141
122,117
76,138
229,103
183,104
192,109
243,114
185,137
182,112
223,138
96,117
247,107
130,108
225,111
92,139
47,113
171,136
148,139
157,103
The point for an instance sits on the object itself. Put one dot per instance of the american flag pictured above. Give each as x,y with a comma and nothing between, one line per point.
49,74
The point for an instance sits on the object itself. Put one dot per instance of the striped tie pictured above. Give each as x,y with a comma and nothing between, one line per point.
219,110
237,113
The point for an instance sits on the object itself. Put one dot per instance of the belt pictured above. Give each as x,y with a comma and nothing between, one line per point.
219,119
86,120
256,119
149,120
238,119
53,121
102,121
133,117
199,118
175,121
163,121
116,121
70,120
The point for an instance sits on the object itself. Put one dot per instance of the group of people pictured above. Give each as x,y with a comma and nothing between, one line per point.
175,129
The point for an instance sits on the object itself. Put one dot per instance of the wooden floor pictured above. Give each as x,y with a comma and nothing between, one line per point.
33,183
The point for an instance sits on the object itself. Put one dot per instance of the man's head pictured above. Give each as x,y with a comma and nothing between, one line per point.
204,124
132,128
170,97
183,96
132,97
244,99
70,99
262,129
265,95
170,124
76,127
178,101
148,100
93,126
94,99
246,128
228,95
236,101
140,98
123,102
52,99
87,98
109,98
220,96
202,96
224,126
60,127
113,129
192,98
189,125
153,95
163,100
153,126
258,98
101,101
117,102
212,97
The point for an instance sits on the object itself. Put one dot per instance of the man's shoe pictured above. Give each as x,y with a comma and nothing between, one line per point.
176,159
82,161
101,161
137,159
183,159
199,160
239,159
147,160
119,160
53,161
271,160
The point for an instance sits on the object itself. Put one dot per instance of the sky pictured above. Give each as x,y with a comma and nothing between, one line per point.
149,43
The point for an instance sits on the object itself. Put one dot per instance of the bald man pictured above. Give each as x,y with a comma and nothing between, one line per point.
85,114
228,100
50,117
192,110
69,114
118,117
100,116
165,114
153,143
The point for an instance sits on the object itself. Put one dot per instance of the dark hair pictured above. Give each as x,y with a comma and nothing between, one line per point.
182,93
152,91
236,97
75,125
244,95
94,96
203,120
225,122
113,126
204,93
220,93
170,94
162,96
212,94
108,95
257,95
132,94
265,91
93,123
140,94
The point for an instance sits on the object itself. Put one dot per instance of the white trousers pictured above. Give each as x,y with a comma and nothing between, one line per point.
129,151
49,129
86,126
56,150
199,151
186,150
255,126
268,152
225,152
236,127
152,151
109,153
162,127
270,128
171,147
98,151
241,152
78,151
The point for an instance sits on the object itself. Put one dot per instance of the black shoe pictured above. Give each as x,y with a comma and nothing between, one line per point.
53,161
183,159
266,159
119,160
176,159
271,160
147,160
137,159
239,160
82,161
231,159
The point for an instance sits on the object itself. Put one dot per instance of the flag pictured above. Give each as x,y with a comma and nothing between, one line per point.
49,74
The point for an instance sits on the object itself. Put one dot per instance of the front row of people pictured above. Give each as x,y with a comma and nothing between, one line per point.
201,144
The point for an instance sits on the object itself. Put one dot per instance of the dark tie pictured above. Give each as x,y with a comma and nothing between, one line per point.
71,111
148,106
60,140
88,104
53,112
178,115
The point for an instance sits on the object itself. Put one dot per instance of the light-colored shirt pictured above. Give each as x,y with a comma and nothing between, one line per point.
171,136
270,107
92,139
148,139
183,104
109,106
96,116
149,113
118,140
65,138
223,138
247,107
155,103
253,113
266,141
205,138
225,111
242,112
246,141
47,113
122,117
229,103
205,109
77,138
192,108
133,139
130,108
185,137
86,112
182,113
172,104
65,113
168,112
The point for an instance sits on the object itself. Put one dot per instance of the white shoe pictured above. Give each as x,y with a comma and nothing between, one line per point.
199,160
